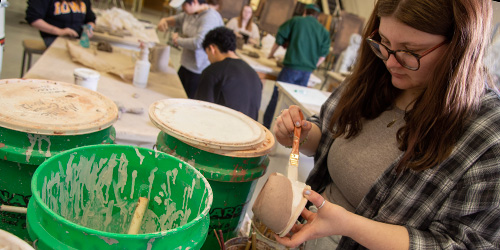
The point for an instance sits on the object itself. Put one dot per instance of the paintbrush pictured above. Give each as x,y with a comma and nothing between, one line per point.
280,200
293,162
222,240
140,209
254,241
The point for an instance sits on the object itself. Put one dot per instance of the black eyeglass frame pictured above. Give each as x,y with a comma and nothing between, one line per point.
393,52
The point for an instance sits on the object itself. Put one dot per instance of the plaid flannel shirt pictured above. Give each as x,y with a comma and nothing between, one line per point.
455,205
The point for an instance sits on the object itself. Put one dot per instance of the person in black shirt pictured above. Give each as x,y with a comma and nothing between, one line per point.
228,81
59,18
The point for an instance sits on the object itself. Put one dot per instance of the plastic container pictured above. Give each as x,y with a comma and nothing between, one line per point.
240,243
141,72
40,119
85,198
160,56
84,37
86,78
264,234
229,148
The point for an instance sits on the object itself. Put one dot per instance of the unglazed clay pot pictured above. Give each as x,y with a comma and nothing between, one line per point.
280,203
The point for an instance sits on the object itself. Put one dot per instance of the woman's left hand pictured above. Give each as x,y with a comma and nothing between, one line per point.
327,221
90,31
175,36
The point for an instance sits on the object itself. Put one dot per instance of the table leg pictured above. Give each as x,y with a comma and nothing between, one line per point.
141,2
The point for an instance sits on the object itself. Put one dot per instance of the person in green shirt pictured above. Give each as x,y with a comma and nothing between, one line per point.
308,43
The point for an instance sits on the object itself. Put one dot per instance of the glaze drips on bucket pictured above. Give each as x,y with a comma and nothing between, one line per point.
85,198
87,193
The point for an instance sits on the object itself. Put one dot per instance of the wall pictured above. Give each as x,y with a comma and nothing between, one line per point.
362,8
496,17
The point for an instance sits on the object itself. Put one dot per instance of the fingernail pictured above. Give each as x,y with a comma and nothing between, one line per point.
297,124
307,192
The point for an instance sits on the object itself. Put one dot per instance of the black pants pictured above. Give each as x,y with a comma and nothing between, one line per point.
190,81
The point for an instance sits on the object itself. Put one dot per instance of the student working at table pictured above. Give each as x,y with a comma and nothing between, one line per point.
60,18
407,149
196,20
244,27
308,42
229,81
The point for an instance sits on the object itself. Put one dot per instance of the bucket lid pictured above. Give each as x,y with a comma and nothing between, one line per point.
53,108
206,125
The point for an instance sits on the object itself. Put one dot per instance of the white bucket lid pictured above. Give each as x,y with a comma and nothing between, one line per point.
207,125
86,73
53,108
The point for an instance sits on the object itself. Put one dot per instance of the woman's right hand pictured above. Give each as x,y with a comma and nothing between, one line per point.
67,32
286,122
163,25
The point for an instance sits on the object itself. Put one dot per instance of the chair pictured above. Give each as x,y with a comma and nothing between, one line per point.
31,47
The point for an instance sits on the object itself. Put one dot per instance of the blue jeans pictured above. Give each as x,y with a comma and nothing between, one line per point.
288,75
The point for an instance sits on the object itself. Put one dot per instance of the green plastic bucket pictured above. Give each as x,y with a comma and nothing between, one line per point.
85,198
17,166
40,119
232,174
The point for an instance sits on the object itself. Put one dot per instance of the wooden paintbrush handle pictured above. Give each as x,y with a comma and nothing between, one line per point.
296,140
296,136
294,155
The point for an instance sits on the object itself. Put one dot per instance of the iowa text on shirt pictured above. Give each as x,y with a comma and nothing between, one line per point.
64,7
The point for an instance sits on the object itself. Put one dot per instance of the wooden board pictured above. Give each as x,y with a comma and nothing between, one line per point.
275,13
231,8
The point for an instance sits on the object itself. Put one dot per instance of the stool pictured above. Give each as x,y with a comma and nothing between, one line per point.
31,47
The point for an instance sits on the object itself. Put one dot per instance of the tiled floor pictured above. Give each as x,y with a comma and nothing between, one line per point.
17,30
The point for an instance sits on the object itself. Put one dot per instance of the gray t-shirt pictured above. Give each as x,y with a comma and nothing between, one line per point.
193,30
356,163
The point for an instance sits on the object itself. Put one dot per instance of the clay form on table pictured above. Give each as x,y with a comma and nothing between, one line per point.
280,203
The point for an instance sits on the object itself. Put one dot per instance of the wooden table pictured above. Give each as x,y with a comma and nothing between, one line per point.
136,129
308,99
266,68
333,80
127,42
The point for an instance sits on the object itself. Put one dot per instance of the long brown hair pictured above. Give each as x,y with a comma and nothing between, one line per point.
440,113
240,19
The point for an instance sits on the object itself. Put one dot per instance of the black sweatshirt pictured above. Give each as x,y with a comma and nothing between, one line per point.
62,14
231,83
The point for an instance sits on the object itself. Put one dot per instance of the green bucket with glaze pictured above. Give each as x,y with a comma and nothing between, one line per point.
231,169
40,119
85,198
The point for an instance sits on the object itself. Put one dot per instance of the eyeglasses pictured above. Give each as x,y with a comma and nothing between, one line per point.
406,58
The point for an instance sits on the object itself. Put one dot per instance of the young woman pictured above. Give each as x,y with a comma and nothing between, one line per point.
407,151
196,20
244,25
59,18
